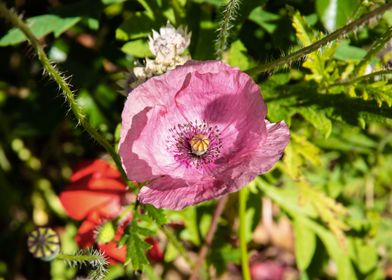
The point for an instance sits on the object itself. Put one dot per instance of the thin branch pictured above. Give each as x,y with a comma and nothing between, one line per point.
285,60
53,73
374,49
209,237
360,78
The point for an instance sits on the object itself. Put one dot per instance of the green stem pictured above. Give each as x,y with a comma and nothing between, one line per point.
364,77
174,241
285,60
243,196
374,49
79,258
51,70
228,16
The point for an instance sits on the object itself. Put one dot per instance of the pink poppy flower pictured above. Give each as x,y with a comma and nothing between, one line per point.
196,133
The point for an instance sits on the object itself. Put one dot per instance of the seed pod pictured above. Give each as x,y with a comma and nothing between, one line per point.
44,243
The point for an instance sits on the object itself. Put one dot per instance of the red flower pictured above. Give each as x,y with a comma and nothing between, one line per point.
95,189
95,195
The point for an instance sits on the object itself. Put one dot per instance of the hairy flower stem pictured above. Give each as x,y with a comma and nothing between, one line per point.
209,237
228,16
243,196
364,77
79,258
54,74
286,60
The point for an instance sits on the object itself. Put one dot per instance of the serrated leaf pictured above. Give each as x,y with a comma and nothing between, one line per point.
318,119
306,149
145,231
136,247
156,214
323,68
123,240
303,32
305,244
292,161
106,233
40,26
380,91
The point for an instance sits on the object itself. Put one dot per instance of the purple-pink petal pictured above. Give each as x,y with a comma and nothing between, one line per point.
176,194
210,100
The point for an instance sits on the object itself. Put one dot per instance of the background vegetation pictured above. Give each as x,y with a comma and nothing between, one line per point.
324,212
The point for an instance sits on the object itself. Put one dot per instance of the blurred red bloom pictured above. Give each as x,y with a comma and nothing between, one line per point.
95,195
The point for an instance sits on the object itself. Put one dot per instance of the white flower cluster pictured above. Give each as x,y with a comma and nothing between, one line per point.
168,46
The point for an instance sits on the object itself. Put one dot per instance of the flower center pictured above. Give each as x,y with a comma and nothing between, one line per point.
199,144
195,144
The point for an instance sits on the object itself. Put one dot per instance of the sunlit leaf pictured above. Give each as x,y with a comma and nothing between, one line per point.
156,214
40,26
305,244
136,248
137,48
335,13
238,55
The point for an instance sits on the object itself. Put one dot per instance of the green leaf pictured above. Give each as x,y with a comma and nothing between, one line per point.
106,233
136,247
305,244
346,52
171,252
40,26
306,149
379,91
191,230
364,255
292,161
264,19
216,3
318,119
109,2
138,25
335,13
302,29
156,214
89,106
138,48
238,55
